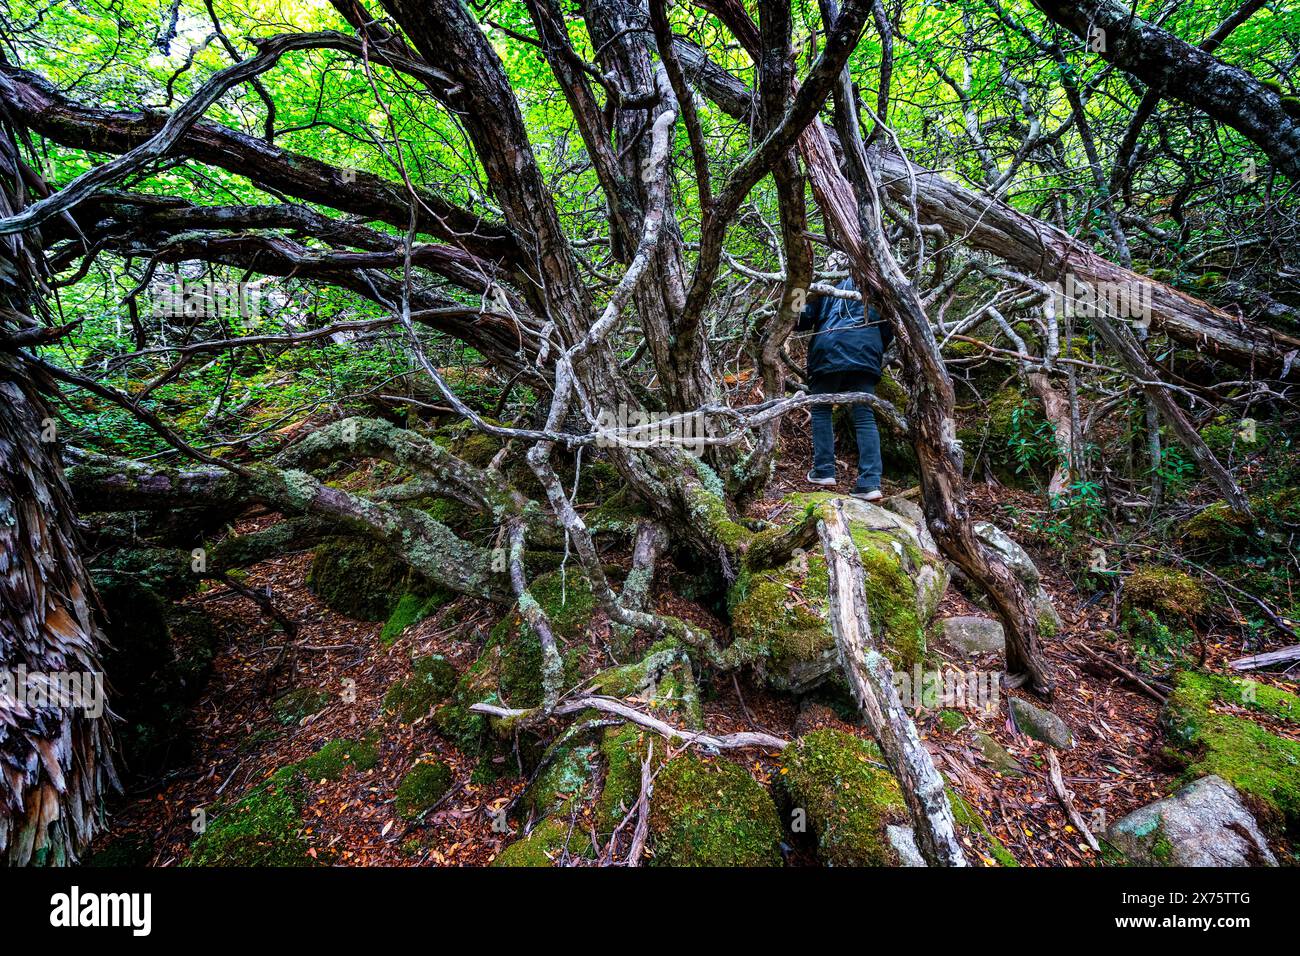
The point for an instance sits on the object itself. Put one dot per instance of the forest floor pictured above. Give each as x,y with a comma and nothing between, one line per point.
1114,768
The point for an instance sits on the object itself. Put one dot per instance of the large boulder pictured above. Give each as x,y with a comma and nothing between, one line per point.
972,636
783,611
1042,725
1203,824
359,579
839,786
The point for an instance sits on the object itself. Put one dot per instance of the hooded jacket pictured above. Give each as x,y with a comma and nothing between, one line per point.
844,338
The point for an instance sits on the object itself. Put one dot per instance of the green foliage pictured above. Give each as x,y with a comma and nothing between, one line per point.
330,762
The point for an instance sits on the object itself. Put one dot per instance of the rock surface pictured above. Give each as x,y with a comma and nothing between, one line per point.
973,636
1019,561
1041,724
1203,824
783,611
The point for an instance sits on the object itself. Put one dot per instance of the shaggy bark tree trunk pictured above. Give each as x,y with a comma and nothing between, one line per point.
55,761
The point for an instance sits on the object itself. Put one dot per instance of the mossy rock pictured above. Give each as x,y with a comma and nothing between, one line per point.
1157,612
335,757
1216,529
431,679
262,829
569,604
359,579
784,611
712,813
1209,738
297,704
566,779
544,845
421,788
411,609
849,798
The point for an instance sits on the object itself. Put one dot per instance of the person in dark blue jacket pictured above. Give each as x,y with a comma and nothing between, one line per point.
845,354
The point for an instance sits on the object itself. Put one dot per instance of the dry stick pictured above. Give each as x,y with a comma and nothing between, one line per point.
1122,671
609,705
872,681
642,810
1067,800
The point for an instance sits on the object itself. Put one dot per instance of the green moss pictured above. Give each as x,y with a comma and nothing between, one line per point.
292,707
784,611
262,829
411,609
836,778
421,788
1168,592
952,720
967,817
541,847
1216,529
568,602
567,778
1210,740
330,762
712,813
431,679
359,580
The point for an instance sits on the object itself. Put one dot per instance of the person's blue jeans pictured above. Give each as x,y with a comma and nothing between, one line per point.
823,429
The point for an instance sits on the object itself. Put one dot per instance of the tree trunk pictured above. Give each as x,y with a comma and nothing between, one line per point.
55,761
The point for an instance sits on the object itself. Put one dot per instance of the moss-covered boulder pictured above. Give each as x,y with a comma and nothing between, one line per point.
335,757
712,813
263,829
411,609
783,612
545,845
423,786
359,580
1158,612
431,679
1203,824
1208,721
847,796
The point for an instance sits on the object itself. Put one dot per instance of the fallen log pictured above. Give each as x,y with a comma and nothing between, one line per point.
1255,662
871,678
